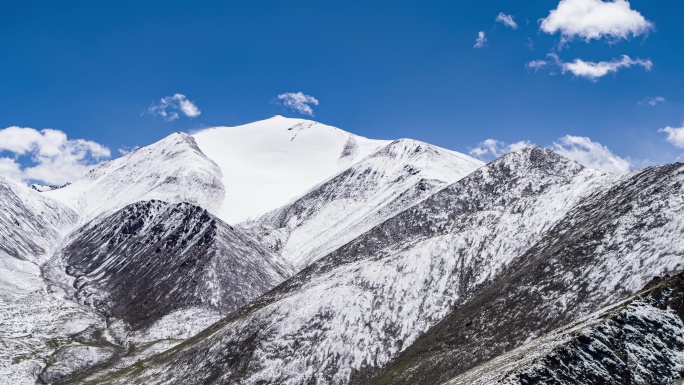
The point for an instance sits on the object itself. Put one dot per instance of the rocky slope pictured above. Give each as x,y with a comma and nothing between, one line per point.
636,341
369,192
153,258
607,247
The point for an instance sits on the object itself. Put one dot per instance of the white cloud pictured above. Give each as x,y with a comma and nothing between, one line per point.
299,102
675,136
55,158
481,40
593,71
655,101
10,169
536,64
169,106
595,19
590,70
590,154
507,20
491,149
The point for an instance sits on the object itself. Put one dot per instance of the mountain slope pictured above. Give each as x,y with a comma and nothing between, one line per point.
607,247
152,258
350,313
32,315
637,341
173,170
376,188
268,163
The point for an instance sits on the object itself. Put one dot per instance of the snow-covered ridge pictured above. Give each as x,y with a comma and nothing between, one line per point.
376,188
173,170
268,163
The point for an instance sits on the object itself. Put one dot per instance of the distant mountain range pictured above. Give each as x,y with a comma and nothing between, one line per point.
290,252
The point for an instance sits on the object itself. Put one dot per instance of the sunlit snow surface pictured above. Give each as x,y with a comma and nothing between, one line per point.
268,163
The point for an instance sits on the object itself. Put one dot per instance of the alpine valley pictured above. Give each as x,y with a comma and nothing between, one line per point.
290,252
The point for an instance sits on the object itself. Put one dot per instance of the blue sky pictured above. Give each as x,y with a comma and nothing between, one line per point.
382,69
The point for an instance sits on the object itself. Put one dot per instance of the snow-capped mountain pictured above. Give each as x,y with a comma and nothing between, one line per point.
172,170
353,311
519,247
376,188
351,261
270,162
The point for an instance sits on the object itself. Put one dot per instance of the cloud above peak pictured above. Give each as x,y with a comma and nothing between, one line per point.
591,154
595,19
169,108
491,149
507,20
578,148
299,102
50,157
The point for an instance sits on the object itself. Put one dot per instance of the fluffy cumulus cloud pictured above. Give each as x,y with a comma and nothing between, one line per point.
481,40
590,70
298,101
491,148
675,135
595,19
52,158
170,108
590,154
506,20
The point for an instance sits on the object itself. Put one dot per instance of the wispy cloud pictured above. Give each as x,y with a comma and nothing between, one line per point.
481,40
590,70
595,19
654,101
127,150
506,20
54,159
298,101
491,149
169,108
591,154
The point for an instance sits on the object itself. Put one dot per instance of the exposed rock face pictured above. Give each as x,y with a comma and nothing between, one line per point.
637,341
152,258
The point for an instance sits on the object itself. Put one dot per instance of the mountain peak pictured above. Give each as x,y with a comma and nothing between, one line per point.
173,169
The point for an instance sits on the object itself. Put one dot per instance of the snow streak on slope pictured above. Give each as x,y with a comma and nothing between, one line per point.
637,341
152,258
268,163
173,170
332,214
353,311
